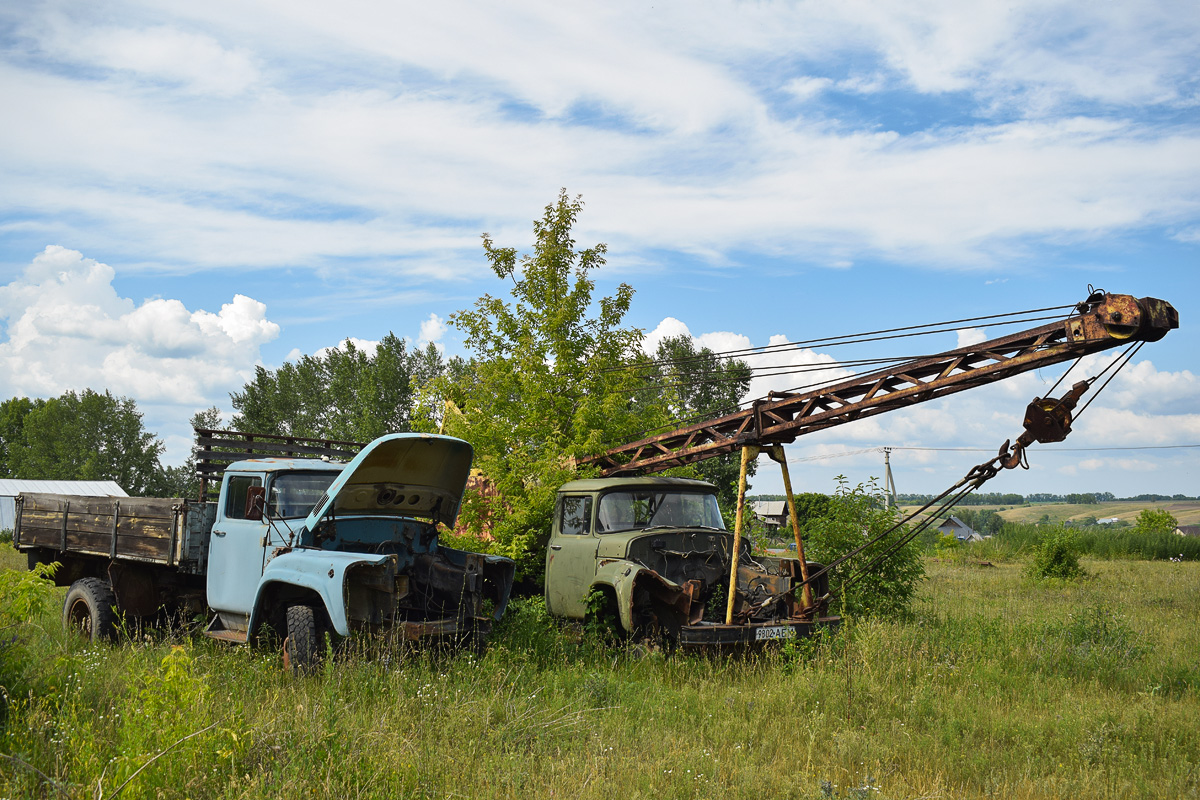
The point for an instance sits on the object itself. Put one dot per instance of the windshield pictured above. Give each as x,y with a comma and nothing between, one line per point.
293,494
648,508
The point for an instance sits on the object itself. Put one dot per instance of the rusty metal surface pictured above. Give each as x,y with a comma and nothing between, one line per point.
1108,322
710,635
217,449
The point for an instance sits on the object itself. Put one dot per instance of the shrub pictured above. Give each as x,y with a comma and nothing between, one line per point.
946,545
24,595
1056,557
1155,521
854,516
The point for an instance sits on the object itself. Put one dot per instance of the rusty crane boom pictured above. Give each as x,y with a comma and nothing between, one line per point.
1101,322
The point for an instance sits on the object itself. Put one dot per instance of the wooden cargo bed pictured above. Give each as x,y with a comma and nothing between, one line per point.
169,531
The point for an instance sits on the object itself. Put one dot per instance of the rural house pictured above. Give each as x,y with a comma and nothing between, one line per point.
1187,530
772,512
960,530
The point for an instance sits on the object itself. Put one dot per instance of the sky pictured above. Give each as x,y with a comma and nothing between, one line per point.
191,190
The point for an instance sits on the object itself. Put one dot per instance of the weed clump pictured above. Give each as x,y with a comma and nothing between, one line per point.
1056,557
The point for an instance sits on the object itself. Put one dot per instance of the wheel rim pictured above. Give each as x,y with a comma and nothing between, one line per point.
79,615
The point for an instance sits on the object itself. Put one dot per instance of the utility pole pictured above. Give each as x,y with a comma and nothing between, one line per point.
889,485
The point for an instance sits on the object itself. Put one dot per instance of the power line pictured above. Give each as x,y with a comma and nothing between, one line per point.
1063,449
866,336
880,449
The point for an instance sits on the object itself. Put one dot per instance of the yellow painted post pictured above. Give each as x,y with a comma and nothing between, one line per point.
778,455
748,453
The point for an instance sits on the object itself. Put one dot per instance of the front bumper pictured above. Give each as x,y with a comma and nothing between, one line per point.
712,634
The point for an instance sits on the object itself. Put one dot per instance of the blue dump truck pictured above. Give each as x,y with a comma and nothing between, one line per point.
305,546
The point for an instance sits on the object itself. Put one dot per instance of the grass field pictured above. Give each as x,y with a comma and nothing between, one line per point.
1186,512
998,687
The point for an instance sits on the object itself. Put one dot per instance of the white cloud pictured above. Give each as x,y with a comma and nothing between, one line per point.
366,346
68,328
1117,465
432,330
667,329
410,128
970,336
806,87
194,61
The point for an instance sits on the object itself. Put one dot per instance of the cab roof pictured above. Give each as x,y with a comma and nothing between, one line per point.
602,484
285,464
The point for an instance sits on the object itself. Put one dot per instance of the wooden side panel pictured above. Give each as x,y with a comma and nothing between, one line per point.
146,527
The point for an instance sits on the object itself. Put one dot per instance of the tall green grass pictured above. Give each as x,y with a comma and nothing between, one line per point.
1000,687
1020,540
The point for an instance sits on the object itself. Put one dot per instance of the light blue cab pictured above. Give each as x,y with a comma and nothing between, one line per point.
300,542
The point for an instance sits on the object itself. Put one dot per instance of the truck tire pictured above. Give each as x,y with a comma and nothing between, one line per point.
301,648
90,608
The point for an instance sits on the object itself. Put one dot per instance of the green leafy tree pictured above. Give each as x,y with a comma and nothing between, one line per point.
343,393
12,424
87,436
548,382
1155,520
853,516
696,384
811,505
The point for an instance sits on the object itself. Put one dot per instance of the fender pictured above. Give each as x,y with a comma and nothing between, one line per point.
320,571
626,576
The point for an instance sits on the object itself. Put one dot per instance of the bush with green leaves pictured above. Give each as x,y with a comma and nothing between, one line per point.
854,516
24,595
1056,557
946,546
1155,520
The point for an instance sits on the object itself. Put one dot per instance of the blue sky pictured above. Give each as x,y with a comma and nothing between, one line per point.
192,190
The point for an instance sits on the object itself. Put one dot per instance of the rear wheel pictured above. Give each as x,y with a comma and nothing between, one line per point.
90,608
301,648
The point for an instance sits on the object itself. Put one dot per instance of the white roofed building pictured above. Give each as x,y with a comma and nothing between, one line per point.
11,487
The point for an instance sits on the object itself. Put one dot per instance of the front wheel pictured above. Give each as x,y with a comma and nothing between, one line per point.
90,609
301,648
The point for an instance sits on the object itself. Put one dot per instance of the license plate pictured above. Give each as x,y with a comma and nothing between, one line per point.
775,632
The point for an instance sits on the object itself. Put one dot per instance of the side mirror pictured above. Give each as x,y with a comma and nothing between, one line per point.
256,502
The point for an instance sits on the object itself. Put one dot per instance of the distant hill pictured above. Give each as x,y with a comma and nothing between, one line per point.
1187,512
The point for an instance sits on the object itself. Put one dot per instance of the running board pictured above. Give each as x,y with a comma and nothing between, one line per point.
217,630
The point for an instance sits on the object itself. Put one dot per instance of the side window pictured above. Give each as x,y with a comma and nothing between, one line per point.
235,494
576,516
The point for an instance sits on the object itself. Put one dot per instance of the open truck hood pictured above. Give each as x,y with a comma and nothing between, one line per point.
403,475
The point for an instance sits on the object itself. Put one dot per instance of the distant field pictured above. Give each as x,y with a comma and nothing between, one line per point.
1187,512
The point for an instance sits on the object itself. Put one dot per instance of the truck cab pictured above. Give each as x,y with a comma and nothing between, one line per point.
304,545
308,546
658,551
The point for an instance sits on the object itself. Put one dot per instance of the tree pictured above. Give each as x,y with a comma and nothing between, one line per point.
811,506
1156,520
87,436
12,423
852,517
549,381
343,393
695,385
